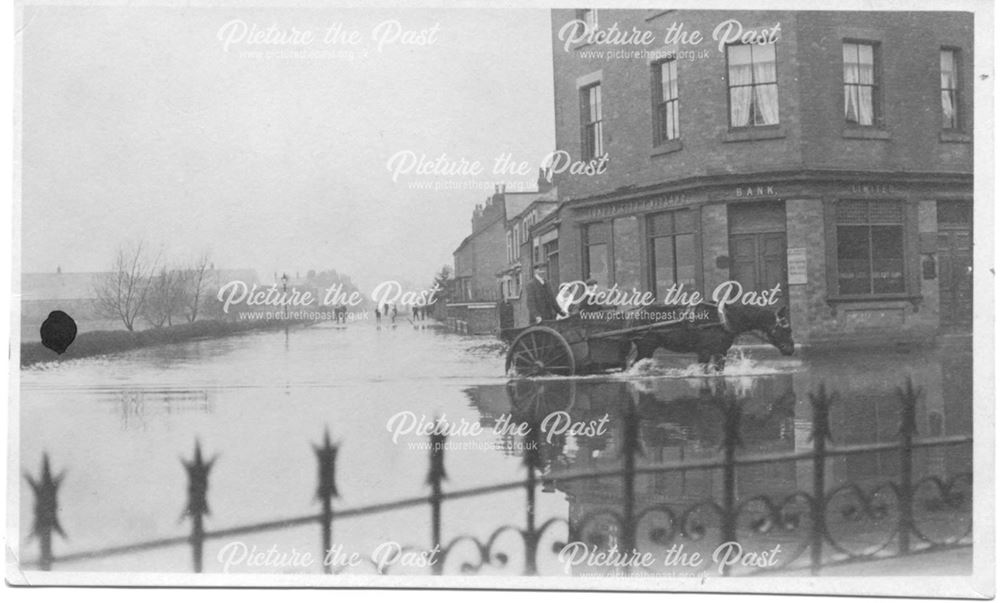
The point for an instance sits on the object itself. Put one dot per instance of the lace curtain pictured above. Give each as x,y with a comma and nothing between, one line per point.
753,88
948,88
859,84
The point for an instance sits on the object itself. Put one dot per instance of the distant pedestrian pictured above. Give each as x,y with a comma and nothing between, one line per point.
378,316
415,312
394,312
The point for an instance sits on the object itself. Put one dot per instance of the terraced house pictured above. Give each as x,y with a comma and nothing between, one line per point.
833,159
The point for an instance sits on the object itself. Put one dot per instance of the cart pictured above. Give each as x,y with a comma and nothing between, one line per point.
574,346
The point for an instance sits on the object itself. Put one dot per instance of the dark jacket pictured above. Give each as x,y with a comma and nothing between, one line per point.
541,301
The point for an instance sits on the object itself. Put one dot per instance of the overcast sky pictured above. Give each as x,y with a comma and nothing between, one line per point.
141,124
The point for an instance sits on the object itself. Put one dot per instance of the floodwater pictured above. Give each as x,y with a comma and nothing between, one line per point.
119,427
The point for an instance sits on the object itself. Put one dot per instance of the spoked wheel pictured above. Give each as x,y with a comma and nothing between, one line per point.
533,399
540,351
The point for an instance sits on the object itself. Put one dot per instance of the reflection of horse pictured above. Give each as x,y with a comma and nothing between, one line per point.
711,342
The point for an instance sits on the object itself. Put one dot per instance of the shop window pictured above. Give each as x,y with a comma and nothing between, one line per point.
861,93
753,85
596,240
627,252
870,258
672,250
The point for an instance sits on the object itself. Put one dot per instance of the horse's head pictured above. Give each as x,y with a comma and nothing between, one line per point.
779,334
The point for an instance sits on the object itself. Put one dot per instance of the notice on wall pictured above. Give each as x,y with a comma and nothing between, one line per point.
797,266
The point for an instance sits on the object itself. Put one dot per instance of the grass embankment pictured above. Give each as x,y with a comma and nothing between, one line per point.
96,343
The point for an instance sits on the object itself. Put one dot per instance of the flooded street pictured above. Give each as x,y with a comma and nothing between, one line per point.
120,425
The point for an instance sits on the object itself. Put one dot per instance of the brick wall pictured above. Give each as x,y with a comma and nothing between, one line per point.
810,80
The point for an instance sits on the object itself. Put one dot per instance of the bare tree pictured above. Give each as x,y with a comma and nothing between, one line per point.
122,293
195,285
167,297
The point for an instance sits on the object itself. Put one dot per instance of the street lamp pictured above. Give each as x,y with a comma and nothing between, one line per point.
284,292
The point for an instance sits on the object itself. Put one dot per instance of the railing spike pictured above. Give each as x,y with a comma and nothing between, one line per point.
197,505
46,521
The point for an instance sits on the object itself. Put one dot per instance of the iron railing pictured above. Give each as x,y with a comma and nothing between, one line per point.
827,522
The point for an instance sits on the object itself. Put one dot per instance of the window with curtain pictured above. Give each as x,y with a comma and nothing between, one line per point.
870,247
949,89
667,101
596,240
753,85
592,117
671,250
860,84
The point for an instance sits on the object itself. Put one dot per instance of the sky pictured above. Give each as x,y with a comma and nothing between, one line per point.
200,130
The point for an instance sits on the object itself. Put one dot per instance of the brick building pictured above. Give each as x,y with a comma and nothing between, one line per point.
832,157
526,249
473,303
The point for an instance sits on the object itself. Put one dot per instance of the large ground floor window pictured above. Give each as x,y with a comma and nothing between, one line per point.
672,250
596,240
870,247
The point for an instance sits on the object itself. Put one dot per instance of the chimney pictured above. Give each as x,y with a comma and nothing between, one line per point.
544,184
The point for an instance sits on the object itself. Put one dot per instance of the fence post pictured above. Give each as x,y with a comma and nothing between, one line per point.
908,396
532,461
733,415
632,446
434,477
46,491
197,506
821,403
326,457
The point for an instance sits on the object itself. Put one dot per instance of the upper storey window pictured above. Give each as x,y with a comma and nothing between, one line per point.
949,89
592,122
861,86
753,85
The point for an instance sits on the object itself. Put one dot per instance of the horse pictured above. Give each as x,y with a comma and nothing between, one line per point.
711,341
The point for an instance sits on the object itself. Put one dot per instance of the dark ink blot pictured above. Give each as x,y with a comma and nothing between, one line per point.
58,331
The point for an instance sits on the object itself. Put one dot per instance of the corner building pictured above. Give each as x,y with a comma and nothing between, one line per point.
835,162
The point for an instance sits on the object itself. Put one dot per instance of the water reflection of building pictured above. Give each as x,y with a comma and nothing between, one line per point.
682,421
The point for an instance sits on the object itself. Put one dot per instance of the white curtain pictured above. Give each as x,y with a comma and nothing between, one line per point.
765,75
859,79
741,90
947,86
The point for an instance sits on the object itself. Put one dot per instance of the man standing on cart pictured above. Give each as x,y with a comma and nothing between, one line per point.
542,304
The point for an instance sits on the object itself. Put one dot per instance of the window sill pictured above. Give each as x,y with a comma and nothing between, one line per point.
863,133
834,300
955,136
671,146
754,133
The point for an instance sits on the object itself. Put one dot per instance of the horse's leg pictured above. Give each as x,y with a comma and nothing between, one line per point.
631,356
704,358
645,348
719,361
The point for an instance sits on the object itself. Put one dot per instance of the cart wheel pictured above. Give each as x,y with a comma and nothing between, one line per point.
540,351
534,399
